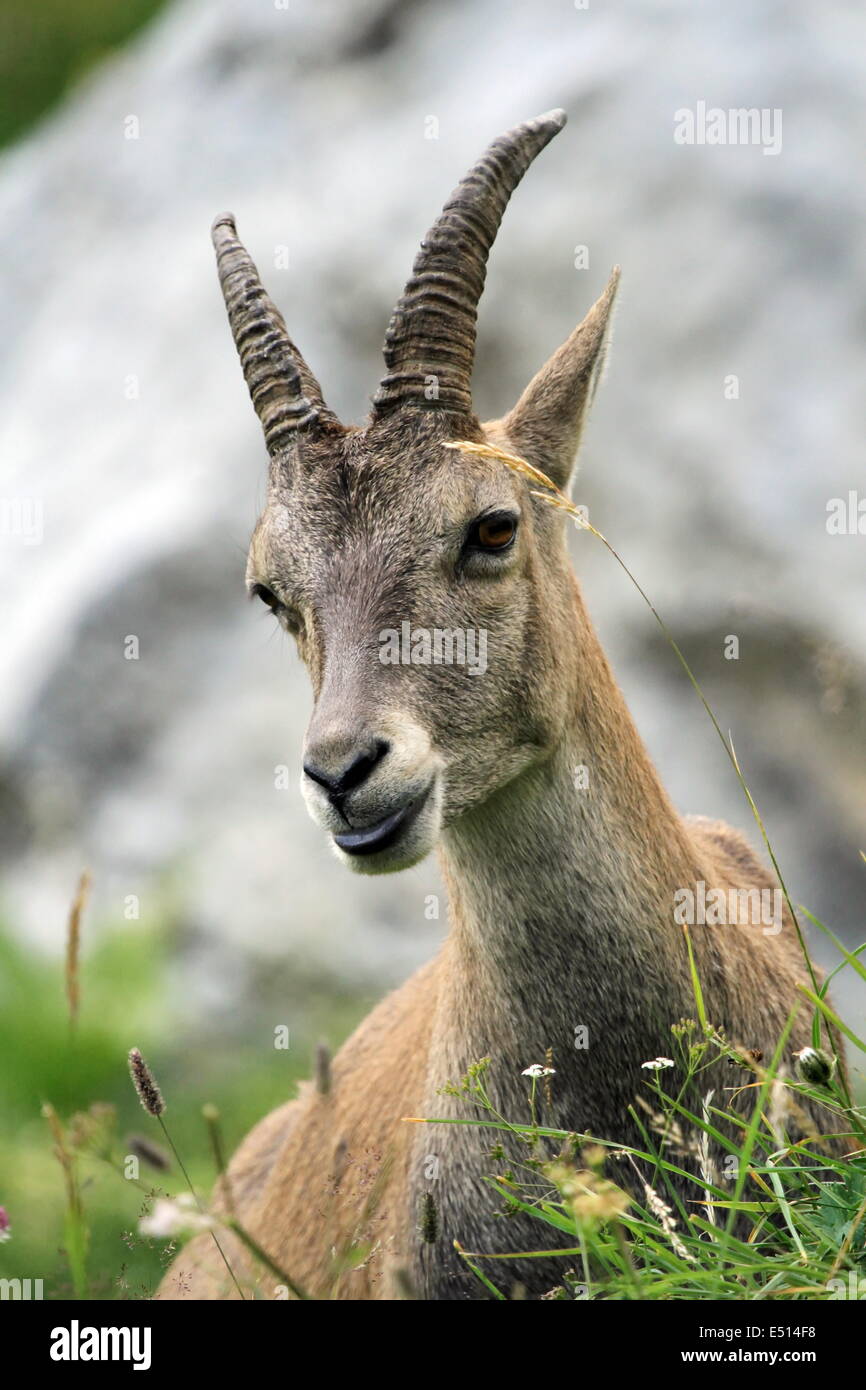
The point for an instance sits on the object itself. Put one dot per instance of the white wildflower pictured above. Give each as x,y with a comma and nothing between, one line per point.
175,1218
537,1070
657,1064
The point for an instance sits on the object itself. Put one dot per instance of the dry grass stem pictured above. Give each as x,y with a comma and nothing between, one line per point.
73,947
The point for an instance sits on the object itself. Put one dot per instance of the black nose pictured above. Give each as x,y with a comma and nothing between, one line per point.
340,781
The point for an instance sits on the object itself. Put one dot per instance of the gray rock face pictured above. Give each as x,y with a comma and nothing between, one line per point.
334,133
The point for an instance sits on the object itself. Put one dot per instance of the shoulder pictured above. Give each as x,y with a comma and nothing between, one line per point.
729,845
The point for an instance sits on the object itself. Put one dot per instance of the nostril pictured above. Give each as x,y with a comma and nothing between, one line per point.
359,770
352,774
316,774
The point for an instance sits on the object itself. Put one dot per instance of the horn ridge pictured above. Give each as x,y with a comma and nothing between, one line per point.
431,335
285,393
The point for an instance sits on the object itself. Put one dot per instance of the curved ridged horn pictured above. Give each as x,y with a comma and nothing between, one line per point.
284,391
432,329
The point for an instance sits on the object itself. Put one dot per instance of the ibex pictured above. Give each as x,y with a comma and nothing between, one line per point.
561,887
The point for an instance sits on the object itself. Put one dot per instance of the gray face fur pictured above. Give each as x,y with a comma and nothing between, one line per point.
426,588
374,530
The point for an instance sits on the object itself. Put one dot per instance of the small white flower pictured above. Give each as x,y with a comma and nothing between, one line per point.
175,1218
537,1070
657,1064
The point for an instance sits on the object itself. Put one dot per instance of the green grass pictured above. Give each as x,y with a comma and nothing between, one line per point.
788,1223
124,990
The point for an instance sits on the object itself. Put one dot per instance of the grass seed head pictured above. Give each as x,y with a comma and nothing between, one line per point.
144,1082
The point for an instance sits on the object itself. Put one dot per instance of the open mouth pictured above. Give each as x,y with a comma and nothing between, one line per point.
373,838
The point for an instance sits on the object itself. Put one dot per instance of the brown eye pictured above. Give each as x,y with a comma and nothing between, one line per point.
495,532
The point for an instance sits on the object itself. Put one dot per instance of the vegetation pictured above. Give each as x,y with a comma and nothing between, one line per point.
87,1182
46,48
71,1120
783,1220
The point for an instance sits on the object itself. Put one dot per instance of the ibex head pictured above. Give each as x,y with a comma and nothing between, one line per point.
428,592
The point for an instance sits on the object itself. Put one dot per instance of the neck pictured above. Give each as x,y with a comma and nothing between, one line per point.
561,893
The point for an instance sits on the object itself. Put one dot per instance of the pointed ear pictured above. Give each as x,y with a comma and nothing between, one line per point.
546,424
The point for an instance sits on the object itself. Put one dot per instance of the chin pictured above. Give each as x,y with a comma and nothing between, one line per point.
409,843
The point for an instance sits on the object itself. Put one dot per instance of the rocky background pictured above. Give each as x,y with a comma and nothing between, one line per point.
335,132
